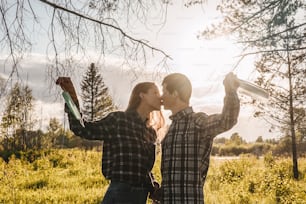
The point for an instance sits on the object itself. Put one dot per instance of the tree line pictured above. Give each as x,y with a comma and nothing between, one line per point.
18,133
236,145
17,124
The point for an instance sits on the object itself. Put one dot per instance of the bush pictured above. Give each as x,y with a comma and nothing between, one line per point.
251,180
231,150
233,171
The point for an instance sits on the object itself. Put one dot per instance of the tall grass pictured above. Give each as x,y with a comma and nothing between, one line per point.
63,176
74,176
251,180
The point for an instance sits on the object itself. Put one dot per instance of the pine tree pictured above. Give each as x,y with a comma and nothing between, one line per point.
96,100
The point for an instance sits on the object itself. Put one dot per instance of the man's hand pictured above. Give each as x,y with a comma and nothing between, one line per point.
67,85
231,83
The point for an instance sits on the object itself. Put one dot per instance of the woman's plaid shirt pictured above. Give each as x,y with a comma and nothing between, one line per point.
186,151
128,145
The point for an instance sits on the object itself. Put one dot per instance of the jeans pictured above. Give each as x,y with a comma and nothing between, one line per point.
122,193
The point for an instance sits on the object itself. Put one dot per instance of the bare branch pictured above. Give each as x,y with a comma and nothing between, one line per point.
105,24
272,5
274,34
273,50
14,69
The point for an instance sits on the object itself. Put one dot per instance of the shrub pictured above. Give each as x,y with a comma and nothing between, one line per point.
233,171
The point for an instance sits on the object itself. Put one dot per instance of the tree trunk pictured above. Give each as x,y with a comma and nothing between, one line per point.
292,123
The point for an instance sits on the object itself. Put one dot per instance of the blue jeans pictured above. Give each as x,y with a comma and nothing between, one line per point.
122,193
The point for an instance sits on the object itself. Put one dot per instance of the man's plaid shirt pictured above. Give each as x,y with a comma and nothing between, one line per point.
186,151
128,145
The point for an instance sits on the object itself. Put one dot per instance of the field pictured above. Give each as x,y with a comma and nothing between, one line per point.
74,176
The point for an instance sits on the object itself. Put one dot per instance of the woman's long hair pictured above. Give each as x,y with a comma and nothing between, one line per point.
155,119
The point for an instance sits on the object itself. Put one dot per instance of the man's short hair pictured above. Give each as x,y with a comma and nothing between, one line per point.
179,83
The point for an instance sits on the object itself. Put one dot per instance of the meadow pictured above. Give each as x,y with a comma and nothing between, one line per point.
74,176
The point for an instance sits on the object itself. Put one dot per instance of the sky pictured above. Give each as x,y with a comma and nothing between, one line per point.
205,62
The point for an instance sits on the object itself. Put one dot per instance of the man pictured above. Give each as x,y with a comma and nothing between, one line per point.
187,145
129,143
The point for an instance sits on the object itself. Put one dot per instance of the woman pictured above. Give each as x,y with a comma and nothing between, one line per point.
129,143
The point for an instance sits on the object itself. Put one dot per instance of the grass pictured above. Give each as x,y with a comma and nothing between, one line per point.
74,176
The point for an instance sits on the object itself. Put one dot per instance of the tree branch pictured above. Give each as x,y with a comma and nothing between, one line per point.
254,15
55,6
276,50
274,34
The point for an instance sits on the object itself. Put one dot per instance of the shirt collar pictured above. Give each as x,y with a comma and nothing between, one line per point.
181,113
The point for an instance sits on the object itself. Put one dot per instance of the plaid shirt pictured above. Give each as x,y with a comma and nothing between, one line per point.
128,145
186,151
